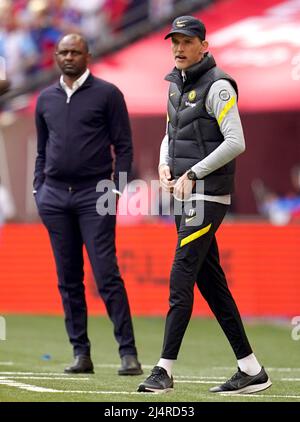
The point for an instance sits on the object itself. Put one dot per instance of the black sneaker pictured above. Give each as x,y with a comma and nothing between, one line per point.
158,382
243,383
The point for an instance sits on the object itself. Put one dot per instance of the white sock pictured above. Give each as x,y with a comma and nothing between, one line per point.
167,364
249,365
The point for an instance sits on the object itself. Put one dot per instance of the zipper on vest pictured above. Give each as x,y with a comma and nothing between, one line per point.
176,129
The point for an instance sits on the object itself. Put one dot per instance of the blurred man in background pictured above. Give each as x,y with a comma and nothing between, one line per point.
204,135
279,209
78,120
16,46
7,207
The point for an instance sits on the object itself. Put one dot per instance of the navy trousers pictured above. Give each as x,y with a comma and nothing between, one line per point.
71,219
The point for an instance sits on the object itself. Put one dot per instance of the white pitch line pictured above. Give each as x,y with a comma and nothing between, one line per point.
22,386
199,377
133,393
27,387
51,390
60,374
36,389
114,365
196,382
178,378
232,368
222,368
257,396
18,377
283,369
214,380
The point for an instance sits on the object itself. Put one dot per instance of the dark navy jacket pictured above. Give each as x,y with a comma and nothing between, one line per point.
74,139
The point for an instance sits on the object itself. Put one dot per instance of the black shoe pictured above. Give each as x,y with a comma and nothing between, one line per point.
82,365
130,366
158,382
243,383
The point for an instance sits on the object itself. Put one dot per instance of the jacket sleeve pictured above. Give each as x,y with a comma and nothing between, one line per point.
120,135
164,151
42,137
221,103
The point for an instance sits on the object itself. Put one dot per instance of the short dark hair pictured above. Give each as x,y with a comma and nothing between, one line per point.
79,37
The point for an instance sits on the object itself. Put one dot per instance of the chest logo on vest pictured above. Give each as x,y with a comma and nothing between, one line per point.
192,95
188,104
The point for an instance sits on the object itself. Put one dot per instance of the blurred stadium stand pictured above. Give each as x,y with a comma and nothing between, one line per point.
45,21
32,29
258,42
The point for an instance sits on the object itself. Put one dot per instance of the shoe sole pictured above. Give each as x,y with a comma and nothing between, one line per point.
250,389
79,372
143,389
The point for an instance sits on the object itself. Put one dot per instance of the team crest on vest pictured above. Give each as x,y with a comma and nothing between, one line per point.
192,95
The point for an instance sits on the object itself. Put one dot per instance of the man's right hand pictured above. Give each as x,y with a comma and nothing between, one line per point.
165,178
4,86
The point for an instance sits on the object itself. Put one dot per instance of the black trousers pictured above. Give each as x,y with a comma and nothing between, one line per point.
71,220
197,260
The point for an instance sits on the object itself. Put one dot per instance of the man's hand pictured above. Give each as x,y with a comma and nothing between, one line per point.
183,187
165,178
4,86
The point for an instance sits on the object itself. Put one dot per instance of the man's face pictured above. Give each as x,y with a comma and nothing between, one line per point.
187,50
72,57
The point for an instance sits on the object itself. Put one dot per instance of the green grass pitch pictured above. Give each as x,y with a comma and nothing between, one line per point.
36,350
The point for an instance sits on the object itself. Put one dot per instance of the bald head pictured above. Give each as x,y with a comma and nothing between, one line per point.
74,38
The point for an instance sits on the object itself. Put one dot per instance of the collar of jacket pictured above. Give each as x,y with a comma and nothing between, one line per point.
88,82
193,73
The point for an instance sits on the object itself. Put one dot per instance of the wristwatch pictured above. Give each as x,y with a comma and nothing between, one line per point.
191,175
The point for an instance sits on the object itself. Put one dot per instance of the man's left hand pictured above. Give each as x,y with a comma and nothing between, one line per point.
183,187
